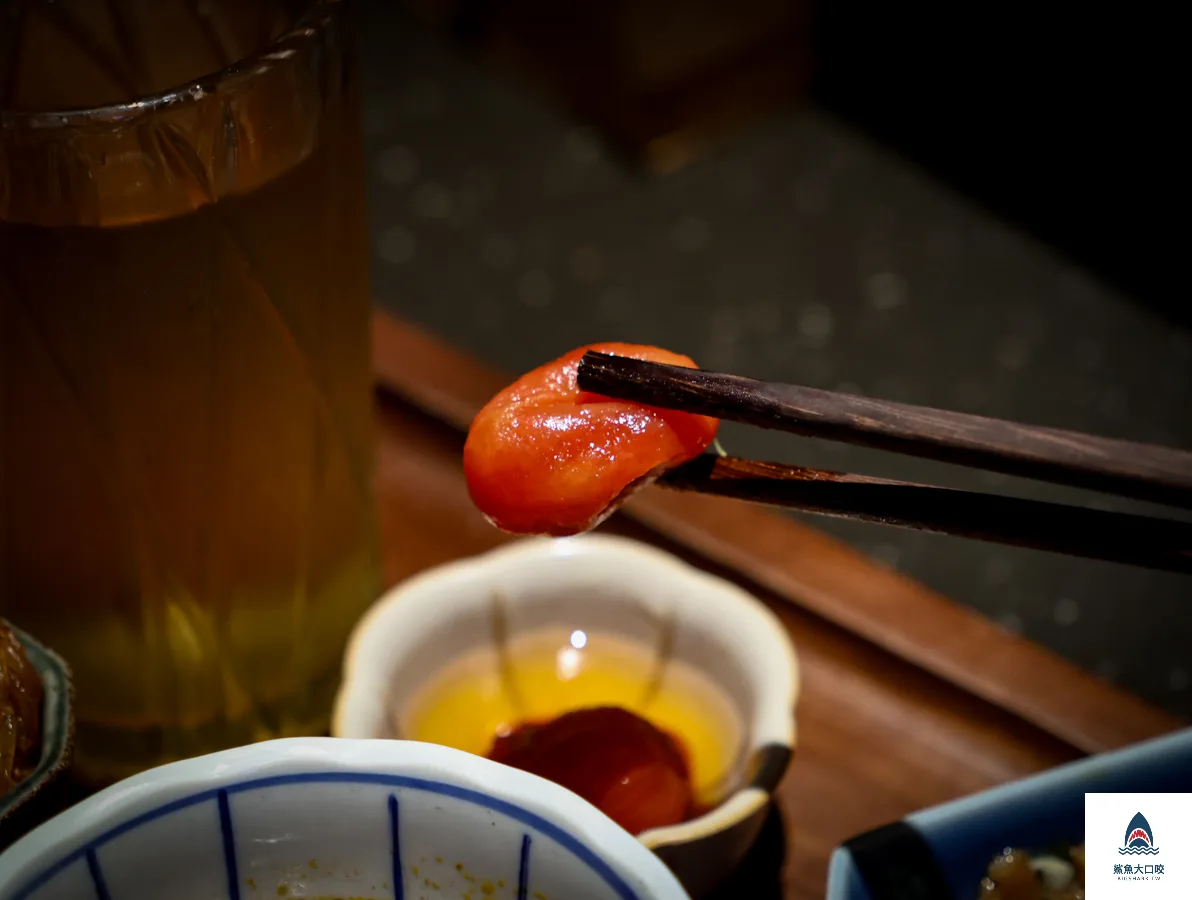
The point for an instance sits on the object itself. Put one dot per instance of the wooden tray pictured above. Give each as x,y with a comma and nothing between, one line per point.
908,699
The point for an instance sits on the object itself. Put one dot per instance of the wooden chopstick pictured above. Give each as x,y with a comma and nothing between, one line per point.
1134,470
1096,534
1141,471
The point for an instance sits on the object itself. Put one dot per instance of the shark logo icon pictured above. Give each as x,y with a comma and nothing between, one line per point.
1139,837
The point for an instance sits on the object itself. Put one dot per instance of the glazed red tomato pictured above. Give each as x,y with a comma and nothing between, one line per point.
633,772
544,457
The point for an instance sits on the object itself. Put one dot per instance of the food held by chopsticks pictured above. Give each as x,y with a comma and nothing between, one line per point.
544,457
561,448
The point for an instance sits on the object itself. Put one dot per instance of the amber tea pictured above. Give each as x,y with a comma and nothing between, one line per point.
185,399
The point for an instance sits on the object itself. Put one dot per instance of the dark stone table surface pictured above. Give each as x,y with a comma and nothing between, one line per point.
798,251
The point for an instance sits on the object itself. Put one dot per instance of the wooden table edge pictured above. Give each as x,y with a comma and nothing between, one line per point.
815,572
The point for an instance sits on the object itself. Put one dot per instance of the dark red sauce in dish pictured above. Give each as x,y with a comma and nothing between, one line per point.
634,772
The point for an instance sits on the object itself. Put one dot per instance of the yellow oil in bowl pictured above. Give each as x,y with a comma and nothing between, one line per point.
546,673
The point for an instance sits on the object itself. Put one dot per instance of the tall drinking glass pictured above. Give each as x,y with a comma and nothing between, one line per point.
185,402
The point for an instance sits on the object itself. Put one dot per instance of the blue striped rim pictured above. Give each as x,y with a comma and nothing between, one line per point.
572,844
101,887
399,883
229,845
523,869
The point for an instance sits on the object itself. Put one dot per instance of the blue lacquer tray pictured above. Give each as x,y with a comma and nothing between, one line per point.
942,852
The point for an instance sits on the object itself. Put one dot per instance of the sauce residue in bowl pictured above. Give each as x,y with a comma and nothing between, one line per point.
476,700
633,772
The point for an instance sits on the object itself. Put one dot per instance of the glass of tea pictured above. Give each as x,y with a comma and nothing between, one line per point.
185,390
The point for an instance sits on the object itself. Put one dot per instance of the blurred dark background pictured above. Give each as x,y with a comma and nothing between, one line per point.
967,206
1058,117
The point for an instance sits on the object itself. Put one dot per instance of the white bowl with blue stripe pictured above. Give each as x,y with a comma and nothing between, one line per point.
334,818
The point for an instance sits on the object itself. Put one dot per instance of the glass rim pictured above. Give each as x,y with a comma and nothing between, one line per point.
305,28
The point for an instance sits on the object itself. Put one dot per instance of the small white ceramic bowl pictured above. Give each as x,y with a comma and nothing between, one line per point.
321,817
603,584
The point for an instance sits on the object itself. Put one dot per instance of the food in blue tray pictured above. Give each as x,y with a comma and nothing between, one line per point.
1021,875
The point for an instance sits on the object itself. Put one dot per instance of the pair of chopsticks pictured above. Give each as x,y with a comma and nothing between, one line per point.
1139,471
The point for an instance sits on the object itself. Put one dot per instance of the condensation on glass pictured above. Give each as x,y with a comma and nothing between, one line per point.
185,401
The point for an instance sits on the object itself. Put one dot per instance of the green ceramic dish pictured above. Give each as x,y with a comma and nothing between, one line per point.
43,793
